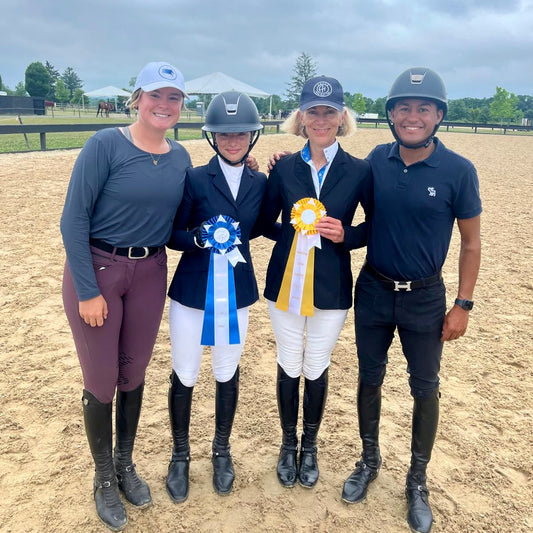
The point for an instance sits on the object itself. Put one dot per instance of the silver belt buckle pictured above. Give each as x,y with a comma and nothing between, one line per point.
146,252
402,285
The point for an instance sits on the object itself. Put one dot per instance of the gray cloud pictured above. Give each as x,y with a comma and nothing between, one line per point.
475,45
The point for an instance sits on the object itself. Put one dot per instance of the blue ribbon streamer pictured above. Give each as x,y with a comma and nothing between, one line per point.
210,234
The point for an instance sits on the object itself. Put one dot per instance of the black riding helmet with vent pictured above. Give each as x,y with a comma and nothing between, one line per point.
232,112
421,83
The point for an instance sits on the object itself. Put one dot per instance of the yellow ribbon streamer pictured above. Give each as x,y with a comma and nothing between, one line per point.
296,294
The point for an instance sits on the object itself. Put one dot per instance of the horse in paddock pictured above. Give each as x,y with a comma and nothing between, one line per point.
104,107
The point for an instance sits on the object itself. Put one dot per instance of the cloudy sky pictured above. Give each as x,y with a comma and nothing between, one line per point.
475,45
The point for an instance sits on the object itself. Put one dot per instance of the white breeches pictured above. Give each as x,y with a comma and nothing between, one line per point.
185,337
305,343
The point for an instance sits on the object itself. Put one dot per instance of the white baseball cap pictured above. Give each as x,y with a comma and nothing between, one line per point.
158,74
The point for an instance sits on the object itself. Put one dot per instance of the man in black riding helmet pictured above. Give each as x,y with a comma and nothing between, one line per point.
420,189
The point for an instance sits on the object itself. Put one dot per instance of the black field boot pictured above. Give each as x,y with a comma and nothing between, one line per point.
288,393
315,394
134,488
179,407
367,469
425,422
99,429
227,394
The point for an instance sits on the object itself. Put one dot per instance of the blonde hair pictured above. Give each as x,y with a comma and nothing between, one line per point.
134,98
293,124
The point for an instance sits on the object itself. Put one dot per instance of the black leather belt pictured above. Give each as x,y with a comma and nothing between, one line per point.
132,252
403,285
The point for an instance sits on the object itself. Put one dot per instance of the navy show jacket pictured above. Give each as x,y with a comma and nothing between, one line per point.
347,184
207,194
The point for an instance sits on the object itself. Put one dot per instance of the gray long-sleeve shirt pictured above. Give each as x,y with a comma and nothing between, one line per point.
117,194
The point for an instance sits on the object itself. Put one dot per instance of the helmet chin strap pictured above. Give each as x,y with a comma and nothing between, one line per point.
213,144
422,144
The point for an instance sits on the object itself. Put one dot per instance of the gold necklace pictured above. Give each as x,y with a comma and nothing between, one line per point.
154,160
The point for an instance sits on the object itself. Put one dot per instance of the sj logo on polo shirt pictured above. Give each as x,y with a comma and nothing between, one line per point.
432,191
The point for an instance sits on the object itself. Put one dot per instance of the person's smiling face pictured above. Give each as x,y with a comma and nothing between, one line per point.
161,108
321,124
415,119
233,146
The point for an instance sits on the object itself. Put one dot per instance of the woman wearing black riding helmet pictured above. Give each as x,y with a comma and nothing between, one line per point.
214,284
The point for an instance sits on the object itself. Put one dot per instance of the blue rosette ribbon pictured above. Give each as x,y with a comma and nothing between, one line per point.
221,234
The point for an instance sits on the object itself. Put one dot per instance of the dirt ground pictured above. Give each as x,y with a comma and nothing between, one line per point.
480,476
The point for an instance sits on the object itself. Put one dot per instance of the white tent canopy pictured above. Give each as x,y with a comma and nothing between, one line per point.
219,82
107,92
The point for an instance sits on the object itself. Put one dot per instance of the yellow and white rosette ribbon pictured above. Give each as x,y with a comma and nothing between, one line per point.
296,292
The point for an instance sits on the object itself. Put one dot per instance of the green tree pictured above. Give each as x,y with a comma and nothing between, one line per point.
62,93
304,69
358,103
37,79
78,98
368,102
379,106
457,110
263,104
504,105
71,80
54,76
133,81
525,104
20,90
1,84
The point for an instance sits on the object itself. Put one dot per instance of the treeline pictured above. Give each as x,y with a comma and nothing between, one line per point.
502,107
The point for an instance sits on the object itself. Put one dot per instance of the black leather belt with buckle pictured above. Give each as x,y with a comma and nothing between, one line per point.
402,285
132,252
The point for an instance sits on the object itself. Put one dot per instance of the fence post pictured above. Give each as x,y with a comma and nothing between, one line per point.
42,137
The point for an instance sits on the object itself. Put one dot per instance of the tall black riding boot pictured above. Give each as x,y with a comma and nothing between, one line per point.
315,394
288,393
99,429
425,422
179,407
227,394
367,469
134,488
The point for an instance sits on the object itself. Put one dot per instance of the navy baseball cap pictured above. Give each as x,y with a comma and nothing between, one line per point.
322,91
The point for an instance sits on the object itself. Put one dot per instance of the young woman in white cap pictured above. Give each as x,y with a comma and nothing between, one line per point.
125,188
214,284
309,280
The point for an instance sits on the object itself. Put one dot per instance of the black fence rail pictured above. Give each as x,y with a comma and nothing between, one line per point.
43,129
451,125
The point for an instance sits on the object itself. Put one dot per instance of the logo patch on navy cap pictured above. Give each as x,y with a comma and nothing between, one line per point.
322,89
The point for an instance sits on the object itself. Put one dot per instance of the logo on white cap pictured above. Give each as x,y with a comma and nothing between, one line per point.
167,72
322,89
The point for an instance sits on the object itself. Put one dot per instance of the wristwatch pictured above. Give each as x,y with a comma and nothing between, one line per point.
465,304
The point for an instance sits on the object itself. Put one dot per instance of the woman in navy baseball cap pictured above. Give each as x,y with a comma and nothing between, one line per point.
309,280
